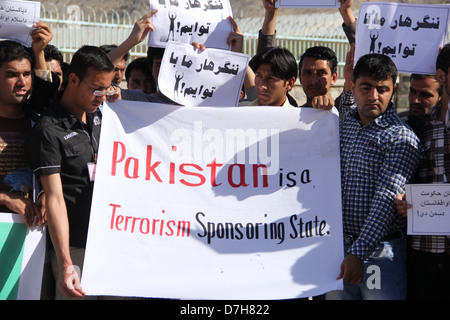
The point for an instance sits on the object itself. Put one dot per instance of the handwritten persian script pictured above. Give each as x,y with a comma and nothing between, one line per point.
17,19
409,34
186,21
430,209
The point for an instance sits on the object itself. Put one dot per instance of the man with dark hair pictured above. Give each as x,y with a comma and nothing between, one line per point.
317,72
119,68
428,255
17,112
424,93
63,151
154,58
275,75
15,87
139,76
379,154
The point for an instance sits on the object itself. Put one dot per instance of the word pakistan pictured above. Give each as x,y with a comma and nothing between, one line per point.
299,227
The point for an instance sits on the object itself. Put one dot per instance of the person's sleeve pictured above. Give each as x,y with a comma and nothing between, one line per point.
345,102
45,75
251,93
400,162
350,32
266,42
43,92
43,152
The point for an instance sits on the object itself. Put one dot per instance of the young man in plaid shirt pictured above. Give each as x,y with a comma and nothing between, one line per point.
379,154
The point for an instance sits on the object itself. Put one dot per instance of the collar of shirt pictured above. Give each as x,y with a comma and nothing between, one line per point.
433,114
382,121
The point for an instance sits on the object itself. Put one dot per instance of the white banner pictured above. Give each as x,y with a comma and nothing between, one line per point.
22,255
17,19
430,209
186,21
211,77
410,34
215,203
307,4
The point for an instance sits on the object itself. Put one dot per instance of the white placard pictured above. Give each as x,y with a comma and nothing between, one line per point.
307,4
430,209
17,19
410,34
186,21
211,77
215,203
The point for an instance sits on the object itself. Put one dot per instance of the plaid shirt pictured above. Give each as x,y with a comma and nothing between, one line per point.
434,168
376,162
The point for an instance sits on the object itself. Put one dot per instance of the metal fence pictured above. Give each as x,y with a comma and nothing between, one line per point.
74,27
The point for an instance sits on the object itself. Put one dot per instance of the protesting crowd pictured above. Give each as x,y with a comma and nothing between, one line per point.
51,112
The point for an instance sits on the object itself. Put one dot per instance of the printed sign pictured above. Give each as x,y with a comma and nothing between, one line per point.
17,19
430,209
197,78
215,203
186,21
410,34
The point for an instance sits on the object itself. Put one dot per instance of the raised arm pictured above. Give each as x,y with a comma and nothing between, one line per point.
346,12
270,17
139,32
236,40
349,24
267,34
41,35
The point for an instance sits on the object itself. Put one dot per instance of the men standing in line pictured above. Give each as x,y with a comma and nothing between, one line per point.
317,70
379,154
428,255
63,151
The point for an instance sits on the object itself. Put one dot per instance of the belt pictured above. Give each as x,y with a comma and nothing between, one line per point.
349,239
392,236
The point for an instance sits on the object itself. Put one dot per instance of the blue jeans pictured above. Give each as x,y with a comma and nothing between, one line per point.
384,275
